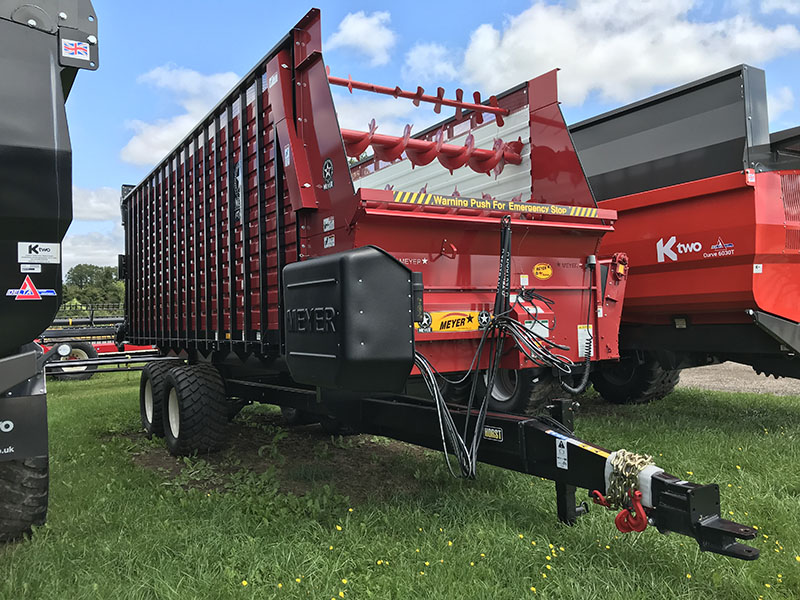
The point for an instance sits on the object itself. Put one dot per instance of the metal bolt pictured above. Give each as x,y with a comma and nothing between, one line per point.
62,16
92,39
32,22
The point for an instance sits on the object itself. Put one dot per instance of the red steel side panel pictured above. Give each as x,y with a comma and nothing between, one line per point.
710,249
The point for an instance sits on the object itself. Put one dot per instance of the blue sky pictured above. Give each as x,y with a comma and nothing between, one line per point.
163,64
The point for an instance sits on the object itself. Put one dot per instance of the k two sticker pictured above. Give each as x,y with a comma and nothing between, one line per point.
671,248
38,253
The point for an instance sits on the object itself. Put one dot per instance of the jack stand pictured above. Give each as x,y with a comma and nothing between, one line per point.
563,411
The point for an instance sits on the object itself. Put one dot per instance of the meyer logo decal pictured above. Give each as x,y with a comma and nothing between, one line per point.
542,271
670,249
318,319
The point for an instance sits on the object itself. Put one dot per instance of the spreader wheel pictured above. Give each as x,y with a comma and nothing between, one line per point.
523,391
631,382
195,410
79,351
23,496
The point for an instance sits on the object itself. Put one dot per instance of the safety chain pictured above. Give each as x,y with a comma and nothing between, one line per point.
626,467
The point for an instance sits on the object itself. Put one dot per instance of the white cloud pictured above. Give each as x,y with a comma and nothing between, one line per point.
791,7
196,94
94,248
779,103
617,48
366,34
100,204
429,62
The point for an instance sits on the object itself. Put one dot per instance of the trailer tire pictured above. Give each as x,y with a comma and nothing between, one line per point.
23,496
195,410
523,391
629,382
151,393
79,351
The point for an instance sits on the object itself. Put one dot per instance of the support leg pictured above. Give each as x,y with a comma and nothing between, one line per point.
568,512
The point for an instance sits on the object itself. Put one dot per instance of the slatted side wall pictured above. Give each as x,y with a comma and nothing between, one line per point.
206,236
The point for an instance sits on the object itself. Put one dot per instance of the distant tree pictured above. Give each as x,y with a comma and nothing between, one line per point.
90,284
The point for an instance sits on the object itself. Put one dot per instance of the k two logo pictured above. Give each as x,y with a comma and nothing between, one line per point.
670,249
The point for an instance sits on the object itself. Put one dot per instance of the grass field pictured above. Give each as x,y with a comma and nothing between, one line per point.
296,514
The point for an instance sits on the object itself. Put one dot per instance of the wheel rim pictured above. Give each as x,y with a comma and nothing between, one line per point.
505,384
148,401
174,415
75,354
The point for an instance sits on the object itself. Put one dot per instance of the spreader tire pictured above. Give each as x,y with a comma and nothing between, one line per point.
23,496
632,382
523,391
195,410
79,351
151,393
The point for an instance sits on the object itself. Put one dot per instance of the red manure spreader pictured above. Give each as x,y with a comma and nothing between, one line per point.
404,308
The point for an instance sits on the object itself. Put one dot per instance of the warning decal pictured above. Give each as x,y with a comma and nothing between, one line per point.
493,204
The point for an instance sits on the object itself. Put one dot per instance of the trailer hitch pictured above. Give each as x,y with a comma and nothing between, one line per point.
692,509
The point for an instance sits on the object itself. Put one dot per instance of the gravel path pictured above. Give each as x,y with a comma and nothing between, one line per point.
733,377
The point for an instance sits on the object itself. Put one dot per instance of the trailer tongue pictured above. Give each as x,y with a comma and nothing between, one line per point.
250,256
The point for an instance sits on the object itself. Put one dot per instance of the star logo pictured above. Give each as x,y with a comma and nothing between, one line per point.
484,318
424,261
469,318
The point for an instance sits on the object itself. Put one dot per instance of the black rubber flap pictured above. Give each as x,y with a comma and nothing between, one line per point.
349,321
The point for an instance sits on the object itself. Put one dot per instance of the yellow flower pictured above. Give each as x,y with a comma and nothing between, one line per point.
440,529
341,594
297,579
471,564
420,528
730,512
422,572
427,564
561,548
349,510
417,549
338,528
533,542
344,581
755,527
380,562
548,567
689,472
608,547
779,575
544,575
767,585
521,536
450,543
280,585
551,546
330,547
797,558
244,582
533,589
549,558
738,467
688,576
441,560
483,555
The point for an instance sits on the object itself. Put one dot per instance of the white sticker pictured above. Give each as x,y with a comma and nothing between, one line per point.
39,253
523,280
540,327
562,461
273,79
329,241
287,155
328,224
758,268
30,268
584,335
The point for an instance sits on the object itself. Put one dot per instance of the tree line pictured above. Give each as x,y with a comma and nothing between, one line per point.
90,284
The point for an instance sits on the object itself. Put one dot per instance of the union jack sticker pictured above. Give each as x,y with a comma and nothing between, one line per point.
73,49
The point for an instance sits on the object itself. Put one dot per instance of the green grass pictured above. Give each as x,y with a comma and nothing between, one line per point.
119,527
